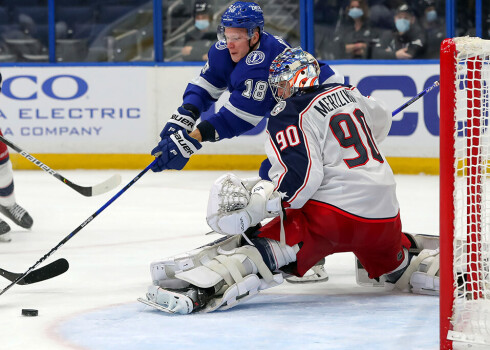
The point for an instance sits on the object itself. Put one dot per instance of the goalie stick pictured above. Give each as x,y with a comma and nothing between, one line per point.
82,225
87,191
51,270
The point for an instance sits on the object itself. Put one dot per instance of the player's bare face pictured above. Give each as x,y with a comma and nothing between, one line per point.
237,43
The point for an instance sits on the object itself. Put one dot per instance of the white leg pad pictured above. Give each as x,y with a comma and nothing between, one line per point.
238,271
426,279
422,275
163,271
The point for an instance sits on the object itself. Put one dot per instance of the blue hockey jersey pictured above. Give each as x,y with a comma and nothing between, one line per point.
247,82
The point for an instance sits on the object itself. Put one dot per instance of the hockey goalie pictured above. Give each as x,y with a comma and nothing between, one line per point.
332,191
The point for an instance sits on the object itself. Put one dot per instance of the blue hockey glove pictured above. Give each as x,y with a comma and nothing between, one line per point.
176,151
181,119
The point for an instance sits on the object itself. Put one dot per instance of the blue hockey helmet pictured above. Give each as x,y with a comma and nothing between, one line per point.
291,70
242,14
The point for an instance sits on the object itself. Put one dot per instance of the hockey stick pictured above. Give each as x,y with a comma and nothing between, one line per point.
51,270
419,95
89,191
82,225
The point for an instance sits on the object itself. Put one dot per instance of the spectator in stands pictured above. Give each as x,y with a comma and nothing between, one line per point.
355,37
406,42
381,14
198,41
434,28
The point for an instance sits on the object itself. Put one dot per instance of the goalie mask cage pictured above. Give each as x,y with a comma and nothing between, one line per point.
464,194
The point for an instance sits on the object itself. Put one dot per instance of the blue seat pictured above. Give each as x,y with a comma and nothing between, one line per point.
88,31
70,2
39,14
112,13
75,14
17,3
42,34
4,15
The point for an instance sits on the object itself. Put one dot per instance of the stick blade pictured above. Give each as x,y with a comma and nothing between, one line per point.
54,269
107,185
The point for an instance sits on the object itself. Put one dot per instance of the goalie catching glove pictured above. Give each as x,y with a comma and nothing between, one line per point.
235,205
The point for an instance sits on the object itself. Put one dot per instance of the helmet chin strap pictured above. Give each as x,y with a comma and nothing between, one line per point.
251,48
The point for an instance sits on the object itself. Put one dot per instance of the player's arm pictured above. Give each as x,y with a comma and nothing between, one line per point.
207,87
245,108
178,142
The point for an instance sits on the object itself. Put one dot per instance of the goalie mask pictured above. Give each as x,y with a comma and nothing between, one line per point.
292,70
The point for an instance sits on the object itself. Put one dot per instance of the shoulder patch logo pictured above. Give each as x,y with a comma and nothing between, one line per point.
255,57
278,108
220,45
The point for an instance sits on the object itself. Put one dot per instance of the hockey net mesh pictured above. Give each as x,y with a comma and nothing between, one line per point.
471,307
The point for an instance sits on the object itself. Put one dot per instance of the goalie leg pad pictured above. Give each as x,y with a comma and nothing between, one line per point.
418,242
422,275
163,271
238,269
426,279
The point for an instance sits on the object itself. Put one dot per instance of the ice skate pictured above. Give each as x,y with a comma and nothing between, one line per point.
18,215
4,232
314,275
175,301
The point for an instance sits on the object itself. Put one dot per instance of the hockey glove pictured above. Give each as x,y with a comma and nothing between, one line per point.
181,119
233,208
176,151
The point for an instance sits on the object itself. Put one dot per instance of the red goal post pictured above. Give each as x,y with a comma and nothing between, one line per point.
464,194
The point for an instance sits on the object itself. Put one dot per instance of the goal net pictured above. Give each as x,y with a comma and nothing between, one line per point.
464,193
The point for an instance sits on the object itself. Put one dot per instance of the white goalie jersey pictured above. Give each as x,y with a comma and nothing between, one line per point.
323,146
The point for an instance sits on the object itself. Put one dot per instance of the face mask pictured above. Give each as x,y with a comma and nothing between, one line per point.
402,25
431,16
201,24
355,12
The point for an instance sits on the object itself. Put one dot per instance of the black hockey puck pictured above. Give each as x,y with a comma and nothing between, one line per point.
29,312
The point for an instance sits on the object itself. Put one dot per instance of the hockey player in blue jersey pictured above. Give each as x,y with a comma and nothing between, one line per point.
239,62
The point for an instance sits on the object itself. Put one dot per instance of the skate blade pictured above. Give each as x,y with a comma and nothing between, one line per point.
155,305
315,275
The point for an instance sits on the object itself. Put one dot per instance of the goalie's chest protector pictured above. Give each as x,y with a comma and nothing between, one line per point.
322,147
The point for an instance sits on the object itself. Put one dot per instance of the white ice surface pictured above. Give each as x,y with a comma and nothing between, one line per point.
93,305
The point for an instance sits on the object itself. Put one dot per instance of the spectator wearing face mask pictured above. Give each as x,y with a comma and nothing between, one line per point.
434,27
408,41
355,37
200,38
